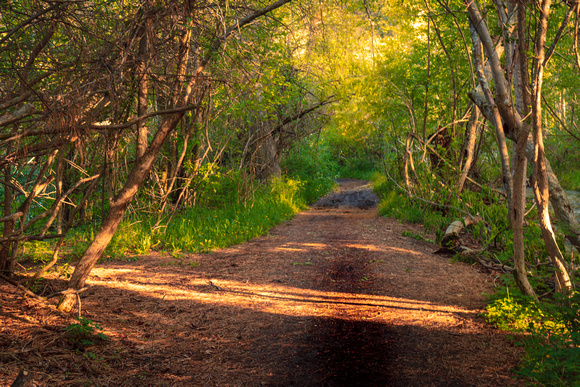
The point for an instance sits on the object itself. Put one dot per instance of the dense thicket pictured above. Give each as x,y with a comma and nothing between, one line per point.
102,102
109,106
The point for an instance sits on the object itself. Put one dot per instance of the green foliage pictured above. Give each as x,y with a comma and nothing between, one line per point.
512,311
202,229
311,163
37,251
416,236
553,350
85,332
553,341
395,203
570,178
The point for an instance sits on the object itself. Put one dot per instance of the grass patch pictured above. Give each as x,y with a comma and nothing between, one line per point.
552,343
220,222
203,229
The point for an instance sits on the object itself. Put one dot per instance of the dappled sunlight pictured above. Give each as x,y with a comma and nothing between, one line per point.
284,300
302,247
375,248
287,249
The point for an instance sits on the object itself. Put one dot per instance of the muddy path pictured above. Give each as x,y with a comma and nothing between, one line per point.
335,297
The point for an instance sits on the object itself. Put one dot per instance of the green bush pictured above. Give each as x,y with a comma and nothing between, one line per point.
202,229
312,164
553,341
553,348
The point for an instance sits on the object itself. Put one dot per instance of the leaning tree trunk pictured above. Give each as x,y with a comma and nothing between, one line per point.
118,206
143,165
470,140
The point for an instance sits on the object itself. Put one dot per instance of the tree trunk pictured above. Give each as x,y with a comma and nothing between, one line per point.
495,116
408,161
267,154
541,186
471,137
8,225
518,211
109,226
143,86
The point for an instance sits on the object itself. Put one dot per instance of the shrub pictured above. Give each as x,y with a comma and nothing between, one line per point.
553,341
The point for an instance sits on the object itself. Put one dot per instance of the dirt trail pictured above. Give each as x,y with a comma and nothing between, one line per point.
335,297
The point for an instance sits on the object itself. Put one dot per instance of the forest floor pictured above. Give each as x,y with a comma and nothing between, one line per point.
335,297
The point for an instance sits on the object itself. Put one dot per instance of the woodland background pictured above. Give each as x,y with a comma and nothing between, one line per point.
187,126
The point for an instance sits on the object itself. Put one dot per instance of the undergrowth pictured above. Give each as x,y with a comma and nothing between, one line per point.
201,229
550,333
228,209
221,219
224,220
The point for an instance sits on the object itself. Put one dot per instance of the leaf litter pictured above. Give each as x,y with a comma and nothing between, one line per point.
335,297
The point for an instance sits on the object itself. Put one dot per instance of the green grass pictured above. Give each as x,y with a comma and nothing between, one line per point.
201,229
220,222
552,342
222,216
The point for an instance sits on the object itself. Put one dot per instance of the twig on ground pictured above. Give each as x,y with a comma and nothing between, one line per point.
22,288
24,379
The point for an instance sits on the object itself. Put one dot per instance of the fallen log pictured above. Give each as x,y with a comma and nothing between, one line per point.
450,242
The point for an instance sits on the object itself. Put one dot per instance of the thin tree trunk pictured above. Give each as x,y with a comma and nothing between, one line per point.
425,110
408,161
541,186
8,224
143,86
495,115
518,212
454,94
471,137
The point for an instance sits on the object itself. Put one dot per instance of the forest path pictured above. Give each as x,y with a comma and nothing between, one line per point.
335,297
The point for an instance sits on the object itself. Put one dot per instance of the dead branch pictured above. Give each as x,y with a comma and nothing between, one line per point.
22,288
413,196
21,113
25,238
12,217
451,238
24,379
